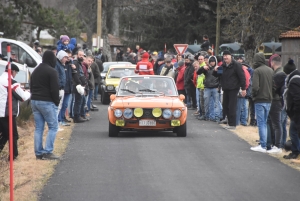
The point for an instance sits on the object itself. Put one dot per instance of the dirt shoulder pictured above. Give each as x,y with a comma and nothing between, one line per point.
30,175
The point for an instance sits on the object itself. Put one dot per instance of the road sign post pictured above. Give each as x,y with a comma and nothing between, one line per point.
180,48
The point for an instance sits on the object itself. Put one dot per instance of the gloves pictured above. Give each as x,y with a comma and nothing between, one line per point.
80,89
61,93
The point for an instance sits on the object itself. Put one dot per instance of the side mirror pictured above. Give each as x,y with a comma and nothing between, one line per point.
112,97
117,88
181,97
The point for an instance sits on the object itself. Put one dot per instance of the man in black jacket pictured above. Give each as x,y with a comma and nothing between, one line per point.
292,103
232,80
44,88
188,83
78,80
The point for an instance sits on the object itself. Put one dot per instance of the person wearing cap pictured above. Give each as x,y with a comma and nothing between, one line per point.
17,95
262,97
232,80
200,114
60,67
14,56
168,70
292,105
144,67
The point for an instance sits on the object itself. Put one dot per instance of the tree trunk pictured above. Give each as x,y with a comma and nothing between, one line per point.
106,45
115,20
249,54
38,32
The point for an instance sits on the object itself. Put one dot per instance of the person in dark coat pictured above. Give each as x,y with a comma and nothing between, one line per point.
292,105
232,80
189,84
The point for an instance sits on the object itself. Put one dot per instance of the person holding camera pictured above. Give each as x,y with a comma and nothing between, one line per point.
232,80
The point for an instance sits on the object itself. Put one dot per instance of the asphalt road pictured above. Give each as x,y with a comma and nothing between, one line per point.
210,164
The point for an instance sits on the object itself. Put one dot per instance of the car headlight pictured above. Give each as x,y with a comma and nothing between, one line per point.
128,113
156,112
118,113
177,113
138,112
167,113
110,87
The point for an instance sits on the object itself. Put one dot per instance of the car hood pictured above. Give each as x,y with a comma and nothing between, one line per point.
147,102
112,81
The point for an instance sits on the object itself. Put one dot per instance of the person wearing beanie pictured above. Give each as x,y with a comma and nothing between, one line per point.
144,67
262,97
60,67
18,94
211,84
179,78
232,81
292,106
63,43
44,88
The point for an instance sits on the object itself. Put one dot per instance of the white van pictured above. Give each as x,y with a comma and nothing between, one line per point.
24,54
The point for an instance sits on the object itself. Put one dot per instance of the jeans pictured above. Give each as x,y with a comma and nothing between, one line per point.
198,99
294,138
188,99
96,91
65,103
44,111
242,111
275,115
89,99
283,123
211,95
77,104
202,102
262,112
83,106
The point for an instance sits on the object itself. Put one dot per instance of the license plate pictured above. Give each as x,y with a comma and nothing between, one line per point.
147,123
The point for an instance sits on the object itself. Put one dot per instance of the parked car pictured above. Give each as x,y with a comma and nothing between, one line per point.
113,76
22,76
147,103
24,53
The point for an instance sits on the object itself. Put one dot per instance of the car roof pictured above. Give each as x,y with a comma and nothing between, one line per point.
122,66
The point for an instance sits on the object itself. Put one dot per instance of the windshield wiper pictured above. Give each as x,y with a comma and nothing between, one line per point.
128,91
147,90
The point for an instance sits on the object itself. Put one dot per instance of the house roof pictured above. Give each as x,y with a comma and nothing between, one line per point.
295,33
114,41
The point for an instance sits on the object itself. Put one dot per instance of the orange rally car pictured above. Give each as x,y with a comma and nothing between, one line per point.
147,103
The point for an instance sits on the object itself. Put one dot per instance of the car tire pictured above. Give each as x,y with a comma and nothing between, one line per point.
181,130
104,98
113,130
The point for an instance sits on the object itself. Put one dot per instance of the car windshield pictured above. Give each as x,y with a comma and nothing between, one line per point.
147,86
120,72
106,65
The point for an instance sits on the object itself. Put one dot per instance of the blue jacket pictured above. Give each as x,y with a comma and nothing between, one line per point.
61,46
72,44
61,74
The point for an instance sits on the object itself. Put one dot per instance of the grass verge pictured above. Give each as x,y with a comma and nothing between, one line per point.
30,175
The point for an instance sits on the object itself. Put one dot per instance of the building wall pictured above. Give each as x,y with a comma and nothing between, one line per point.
291,49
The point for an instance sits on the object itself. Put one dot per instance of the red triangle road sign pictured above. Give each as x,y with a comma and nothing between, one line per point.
180,48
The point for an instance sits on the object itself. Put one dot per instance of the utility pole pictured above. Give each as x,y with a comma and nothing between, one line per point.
218,28
99,21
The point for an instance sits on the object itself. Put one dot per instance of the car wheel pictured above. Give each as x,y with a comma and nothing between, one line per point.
113,130
104,98
181,130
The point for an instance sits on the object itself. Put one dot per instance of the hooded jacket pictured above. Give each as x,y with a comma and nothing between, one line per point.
60,68
144,67
44,80
210,80
180,78
188,76
262,80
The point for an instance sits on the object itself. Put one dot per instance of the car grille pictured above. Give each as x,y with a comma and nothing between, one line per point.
147,113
